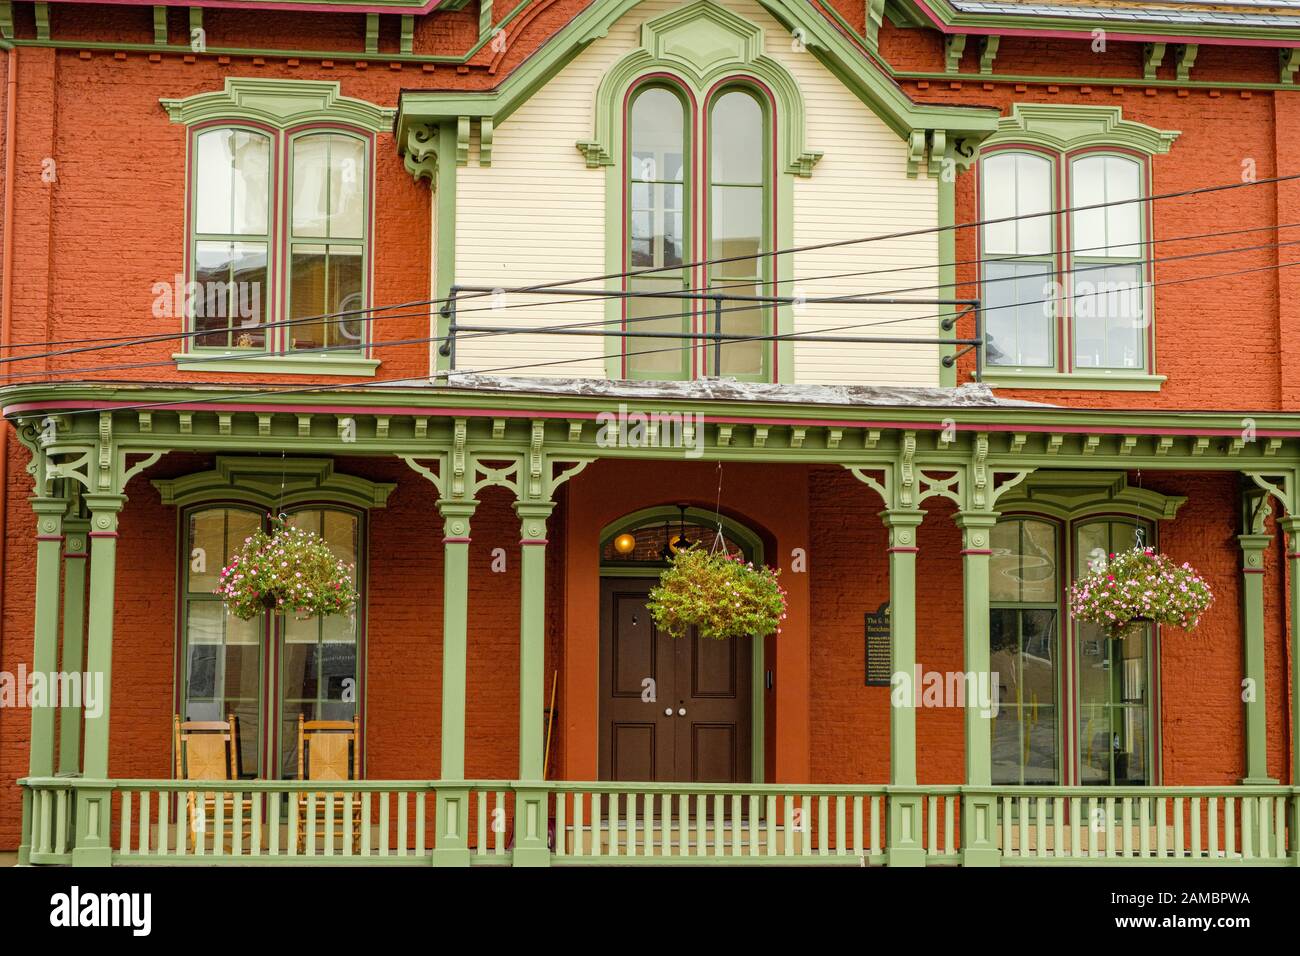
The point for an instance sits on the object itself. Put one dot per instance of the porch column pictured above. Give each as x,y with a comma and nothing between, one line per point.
531,813
75,555
905,847
1291,525
453,799
979,811
45,651
1253,548
93,846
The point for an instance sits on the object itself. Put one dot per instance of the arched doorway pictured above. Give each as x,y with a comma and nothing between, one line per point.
673,709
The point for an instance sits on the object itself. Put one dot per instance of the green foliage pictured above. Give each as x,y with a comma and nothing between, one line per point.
721,595
291,570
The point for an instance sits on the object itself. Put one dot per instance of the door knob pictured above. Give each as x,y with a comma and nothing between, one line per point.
668,711
681,712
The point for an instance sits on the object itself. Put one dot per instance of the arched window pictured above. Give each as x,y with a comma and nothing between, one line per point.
231,237
1024,641
657,229
327,240
723,183
738,227
1114,679
227,666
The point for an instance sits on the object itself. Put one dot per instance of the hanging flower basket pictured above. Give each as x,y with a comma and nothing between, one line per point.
290,570
719,594
1139,587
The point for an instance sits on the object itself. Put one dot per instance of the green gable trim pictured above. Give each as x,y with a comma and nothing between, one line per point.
280,104
1065,127
820,37
702,44
273,482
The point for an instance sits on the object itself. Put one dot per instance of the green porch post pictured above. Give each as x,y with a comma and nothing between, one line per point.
452,847
979,811
93,846
905,847
531,816
1291,525
1253,547
45,650
75,555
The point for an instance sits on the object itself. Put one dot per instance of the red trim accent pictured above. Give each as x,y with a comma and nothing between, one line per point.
102,534
75,554
1293,554
902,550
464,540
1252,570
977,551
49,537
535,541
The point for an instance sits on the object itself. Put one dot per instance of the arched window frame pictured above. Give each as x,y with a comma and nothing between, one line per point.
282,109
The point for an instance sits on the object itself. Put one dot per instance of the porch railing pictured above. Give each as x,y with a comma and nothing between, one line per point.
396,823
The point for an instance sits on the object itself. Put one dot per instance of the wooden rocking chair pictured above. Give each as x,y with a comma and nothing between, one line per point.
208,750
327,750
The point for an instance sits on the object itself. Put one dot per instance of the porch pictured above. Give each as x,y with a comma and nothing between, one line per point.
479,462
419,823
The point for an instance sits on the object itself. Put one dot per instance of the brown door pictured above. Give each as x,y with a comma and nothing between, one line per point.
671,709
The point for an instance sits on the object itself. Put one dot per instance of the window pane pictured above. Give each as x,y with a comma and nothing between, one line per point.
655,357
1109,328
1023,656
310,185
1020,308
347,187
1112,231
228,298
1017,184
737,226
658,136
736,141
232,182
1038,562
327,281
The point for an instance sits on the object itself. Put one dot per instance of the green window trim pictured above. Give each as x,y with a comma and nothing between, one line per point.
1075,500
286,111
1066,134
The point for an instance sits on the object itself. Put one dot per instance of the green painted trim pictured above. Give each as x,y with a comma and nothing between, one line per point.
1069,495
160,25
1068,127
820,37
902,525
76,552
6,19
408,34
946,238
1291,526
1090,380
701,44
444,233
280,104
372,33
1253,549
267,482
278,363
41,10
456,515
532,639
45,639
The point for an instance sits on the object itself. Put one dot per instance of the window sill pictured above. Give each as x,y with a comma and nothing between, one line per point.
246,362
1091,379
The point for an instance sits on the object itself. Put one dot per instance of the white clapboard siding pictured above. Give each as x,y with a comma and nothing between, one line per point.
537,215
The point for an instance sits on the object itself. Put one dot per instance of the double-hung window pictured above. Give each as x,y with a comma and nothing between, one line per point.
698,230
1065,270
280,249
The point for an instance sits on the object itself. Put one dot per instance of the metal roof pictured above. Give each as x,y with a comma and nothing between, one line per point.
1225,12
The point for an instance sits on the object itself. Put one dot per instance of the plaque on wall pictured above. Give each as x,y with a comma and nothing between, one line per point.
878,647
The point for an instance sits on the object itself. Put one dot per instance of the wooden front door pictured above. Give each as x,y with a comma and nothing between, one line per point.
696,729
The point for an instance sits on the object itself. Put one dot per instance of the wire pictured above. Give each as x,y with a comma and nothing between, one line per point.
332,386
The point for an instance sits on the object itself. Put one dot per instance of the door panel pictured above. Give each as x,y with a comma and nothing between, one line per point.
697,729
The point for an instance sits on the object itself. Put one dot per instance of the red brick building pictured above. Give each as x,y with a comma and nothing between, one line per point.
928,304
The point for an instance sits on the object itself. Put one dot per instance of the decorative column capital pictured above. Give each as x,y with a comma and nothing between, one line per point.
104,511
49,517
1253,547
902,524
456,513
976,530
532,520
